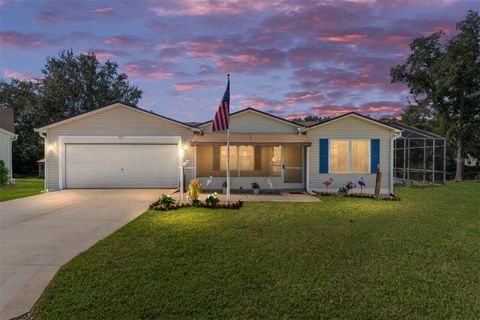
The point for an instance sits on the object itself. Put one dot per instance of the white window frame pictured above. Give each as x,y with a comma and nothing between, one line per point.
349,156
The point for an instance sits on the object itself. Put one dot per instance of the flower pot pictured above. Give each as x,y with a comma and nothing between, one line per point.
256,190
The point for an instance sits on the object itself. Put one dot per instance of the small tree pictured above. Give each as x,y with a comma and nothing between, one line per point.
194,190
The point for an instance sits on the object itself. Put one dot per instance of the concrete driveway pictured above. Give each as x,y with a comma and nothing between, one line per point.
41,233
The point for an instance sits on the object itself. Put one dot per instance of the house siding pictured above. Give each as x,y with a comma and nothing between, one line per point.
6,149
350,127
117,121
251,121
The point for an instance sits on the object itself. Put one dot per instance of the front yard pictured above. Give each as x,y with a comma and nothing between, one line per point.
23,187
339,258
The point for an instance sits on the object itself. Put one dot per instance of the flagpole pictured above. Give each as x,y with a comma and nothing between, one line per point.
228,165
228,150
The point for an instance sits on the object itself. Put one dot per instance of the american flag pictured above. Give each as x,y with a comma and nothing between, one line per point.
222,117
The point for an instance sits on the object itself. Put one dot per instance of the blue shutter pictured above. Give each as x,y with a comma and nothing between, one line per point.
374,155
323,155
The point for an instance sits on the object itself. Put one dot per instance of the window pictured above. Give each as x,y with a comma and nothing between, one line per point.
245,161
349,156
246,158
275,163
338,156
360,156
233,158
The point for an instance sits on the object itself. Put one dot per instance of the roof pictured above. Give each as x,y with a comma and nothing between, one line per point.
116,104
414,133
355,114
306,123
251,139
260,112
7,122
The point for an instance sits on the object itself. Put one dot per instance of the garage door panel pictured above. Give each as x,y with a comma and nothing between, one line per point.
121,166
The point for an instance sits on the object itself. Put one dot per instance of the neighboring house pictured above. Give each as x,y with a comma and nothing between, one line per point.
121,146
470,161
7,136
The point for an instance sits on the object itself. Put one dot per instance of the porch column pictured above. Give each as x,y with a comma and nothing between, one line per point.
307,169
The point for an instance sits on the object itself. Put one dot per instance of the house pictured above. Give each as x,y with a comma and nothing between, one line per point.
471,161
121,146
7,136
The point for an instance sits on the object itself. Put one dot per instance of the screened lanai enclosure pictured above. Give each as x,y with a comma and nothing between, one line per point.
419,156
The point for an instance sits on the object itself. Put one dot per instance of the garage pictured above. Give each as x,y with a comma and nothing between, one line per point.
121,165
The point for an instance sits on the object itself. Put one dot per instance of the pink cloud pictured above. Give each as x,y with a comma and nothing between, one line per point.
225,7
105,54
343,38
183,86
129,41
147,69
104,10
372,109
16,39
18,75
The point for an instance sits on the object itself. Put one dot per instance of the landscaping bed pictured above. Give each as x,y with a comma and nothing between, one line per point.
220,205
388,197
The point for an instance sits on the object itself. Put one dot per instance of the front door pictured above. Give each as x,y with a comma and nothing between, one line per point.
292,164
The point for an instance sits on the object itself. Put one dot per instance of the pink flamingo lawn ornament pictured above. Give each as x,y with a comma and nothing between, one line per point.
362,184
327,183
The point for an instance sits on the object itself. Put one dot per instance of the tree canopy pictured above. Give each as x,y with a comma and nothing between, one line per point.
443,76
70,84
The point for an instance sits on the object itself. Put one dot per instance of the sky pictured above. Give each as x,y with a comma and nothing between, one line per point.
292,58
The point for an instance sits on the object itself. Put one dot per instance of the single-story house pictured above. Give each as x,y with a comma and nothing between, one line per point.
121,146
7,136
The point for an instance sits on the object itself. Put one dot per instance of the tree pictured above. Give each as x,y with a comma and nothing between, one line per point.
444,81
70,85
310,118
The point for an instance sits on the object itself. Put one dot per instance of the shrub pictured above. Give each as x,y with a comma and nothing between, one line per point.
166,200
3,174
194,190
347,187
213,199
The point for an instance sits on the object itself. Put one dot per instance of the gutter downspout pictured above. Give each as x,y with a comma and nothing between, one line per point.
10,160
43,135
395,136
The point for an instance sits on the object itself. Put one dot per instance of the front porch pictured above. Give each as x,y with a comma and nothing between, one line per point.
259,158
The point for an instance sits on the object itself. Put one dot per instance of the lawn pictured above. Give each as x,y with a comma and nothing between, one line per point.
340,258
22,188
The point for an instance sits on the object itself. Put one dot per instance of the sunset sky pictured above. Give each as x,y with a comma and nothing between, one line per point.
289,57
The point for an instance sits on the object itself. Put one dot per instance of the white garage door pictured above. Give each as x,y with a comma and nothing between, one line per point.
121,166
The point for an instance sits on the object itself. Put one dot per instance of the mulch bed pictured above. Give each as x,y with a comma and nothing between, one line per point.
220,205
386,197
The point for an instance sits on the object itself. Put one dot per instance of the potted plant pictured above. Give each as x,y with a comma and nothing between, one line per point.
255,187
224,187
212,199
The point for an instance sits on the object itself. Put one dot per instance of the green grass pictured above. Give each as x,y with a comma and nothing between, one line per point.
22,188
341,258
